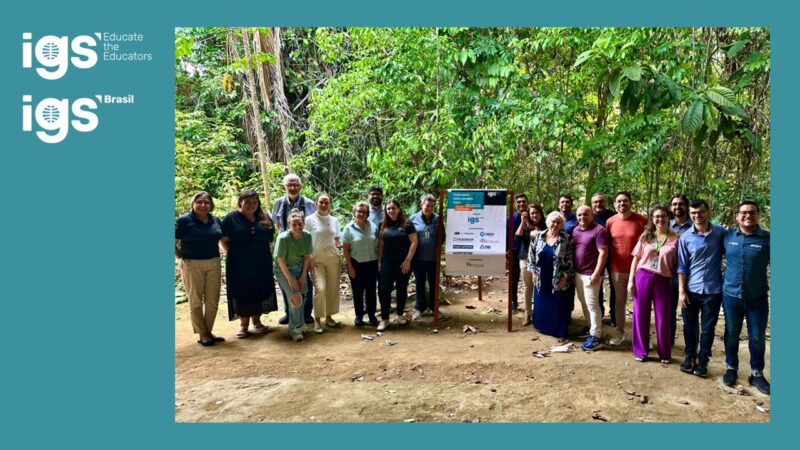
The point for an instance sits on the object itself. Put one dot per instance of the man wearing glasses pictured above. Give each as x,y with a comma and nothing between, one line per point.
700,286
745,294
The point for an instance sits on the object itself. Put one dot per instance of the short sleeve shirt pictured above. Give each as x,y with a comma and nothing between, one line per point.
664,262
199,240
292,250
624,235
363,243
588,243
324,230
427,232
396,242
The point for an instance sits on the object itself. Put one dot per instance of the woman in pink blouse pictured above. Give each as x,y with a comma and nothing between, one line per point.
655,259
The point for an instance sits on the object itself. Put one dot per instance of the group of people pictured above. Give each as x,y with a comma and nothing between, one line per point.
671,258
381,248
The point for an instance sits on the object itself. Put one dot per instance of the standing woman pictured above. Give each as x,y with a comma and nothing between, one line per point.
197,235
360,248
531,224
247,234
551,260
293,255
655,259
324,230
397,243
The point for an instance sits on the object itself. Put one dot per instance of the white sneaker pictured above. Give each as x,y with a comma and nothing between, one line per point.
417,314
401,320
617,340
382,325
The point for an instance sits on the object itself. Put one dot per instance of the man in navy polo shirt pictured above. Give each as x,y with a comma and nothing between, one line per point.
700,286
280,215
565,205
679,206
601,215
745,294
521,201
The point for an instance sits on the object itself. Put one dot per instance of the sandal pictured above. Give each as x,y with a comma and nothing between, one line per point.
242,333
217,338
332,323
260,328
205,343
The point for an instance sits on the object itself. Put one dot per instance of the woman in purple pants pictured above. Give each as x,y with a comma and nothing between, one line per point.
655,259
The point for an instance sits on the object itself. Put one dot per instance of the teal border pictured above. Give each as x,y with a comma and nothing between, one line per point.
87,234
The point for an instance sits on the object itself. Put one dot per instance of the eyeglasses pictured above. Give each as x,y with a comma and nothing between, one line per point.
748,213
360,212
203,202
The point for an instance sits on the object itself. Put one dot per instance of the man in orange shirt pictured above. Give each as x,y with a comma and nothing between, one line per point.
625,229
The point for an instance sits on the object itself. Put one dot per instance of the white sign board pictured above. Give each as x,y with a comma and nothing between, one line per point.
476,232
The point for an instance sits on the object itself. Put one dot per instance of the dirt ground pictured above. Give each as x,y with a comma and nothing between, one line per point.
445,375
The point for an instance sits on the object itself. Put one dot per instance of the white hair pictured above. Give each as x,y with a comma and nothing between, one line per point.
290,176
552,216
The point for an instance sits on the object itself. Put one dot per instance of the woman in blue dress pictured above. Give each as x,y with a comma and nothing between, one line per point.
551,261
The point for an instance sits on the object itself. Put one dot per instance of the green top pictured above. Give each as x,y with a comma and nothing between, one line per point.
292,250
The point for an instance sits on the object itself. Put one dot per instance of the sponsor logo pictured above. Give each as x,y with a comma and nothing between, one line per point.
463,246
474,220
55,117
54,54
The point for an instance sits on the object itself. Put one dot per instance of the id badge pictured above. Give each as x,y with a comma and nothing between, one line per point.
427,234
654,263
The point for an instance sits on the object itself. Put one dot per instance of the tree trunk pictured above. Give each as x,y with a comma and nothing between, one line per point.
256,117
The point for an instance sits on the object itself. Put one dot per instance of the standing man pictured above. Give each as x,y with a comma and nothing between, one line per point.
521,201
625,229
700,286
424,263
745,294
679,206
601,216
280,215
591,250
565,204
376,205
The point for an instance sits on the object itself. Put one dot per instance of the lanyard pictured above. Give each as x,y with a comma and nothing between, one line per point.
658,245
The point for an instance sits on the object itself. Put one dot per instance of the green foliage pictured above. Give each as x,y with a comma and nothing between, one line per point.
544,111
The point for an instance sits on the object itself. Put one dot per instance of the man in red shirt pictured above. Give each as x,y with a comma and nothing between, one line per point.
625,229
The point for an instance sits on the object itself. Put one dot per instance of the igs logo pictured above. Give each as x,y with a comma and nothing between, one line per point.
53,117
54,54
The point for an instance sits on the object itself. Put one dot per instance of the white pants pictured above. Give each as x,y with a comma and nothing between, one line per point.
590,302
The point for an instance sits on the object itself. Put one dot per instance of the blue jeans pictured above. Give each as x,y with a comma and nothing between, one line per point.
703,312
757,313
425,272
295,313
307,298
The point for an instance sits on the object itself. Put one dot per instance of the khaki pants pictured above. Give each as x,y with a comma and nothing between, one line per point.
620,280
527,280
201,280
326,284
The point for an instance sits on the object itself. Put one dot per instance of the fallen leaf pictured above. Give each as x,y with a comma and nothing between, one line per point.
410,420
598,416
390,343
644,399
357,377
367,337
540,354
565,348
683,402
470,329
535,338
470,307
379,333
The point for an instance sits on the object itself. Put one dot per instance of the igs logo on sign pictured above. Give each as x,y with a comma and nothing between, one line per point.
54,117
54,54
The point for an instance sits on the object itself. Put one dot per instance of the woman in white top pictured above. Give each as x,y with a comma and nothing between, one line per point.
324,230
